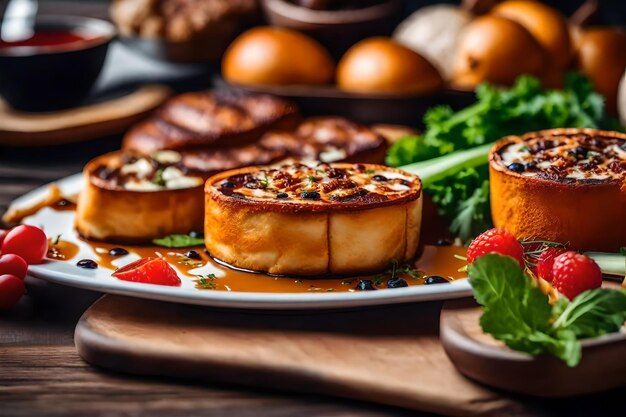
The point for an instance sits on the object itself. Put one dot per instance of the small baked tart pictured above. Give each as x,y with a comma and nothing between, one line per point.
563,185
131,199
313,219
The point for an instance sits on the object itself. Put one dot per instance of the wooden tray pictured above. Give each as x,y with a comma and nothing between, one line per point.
20,129
390,355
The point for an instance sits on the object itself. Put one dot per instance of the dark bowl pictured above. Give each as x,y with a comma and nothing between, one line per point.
387,108
337,30
46,78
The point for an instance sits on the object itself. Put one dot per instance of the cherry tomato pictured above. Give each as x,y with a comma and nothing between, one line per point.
149,271
3,233
14,265
29,242
11,290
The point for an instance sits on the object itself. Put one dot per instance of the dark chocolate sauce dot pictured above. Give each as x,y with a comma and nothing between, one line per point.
87,264
118,252
192,254
396,283
516,167
435,279
282,195
310,195
365,285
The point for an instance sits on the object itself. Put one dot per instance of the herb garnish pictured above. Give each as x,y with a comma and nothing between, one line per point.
534,248
178,241
158,178
378,280
519,314
206,282
184,260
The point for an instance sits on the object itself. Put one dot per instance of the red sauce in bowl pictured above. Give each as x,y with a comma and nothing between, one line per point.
49,39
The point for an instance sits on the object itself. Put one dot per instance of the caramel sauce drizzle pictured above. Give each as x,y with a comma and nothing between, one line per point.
434,260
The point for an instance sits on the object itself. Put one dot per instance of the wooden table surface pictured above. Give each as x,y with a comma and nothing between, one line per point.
41,373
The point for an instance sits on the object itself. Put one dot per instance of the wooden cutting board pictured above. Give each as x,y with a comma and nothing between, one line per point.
389,355
114,116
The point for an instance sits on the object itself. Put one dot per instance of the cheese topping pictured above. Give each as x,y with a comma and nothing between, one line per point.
163,172
570,158
310,182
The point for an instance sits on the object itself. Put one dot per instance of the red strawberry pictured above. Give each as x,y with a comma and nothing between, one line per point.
545,262
149,271
574,273
496,241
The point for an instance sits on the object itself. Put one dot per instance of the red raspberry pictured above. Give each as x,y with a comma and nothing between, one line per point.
545,262
574,273
496,241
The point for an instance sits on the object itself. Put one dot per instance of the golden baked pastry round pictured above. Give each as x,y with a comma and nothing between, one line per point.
561,185
313,219
131,199
276,56
381,65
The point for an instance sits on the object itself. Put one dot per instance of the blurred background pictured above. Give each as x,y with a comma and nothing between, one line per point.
613,11
178,45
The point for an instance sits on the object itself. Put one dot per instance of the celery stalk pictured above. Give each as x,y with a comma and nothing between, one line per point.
438,168
609,263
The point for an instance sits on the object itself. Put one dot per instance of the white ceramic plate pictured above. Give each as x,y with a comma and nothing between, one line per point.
66,273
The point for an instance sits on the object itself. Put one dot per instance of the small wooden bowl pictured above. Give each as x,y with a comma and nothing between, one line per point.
483,359
337,30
